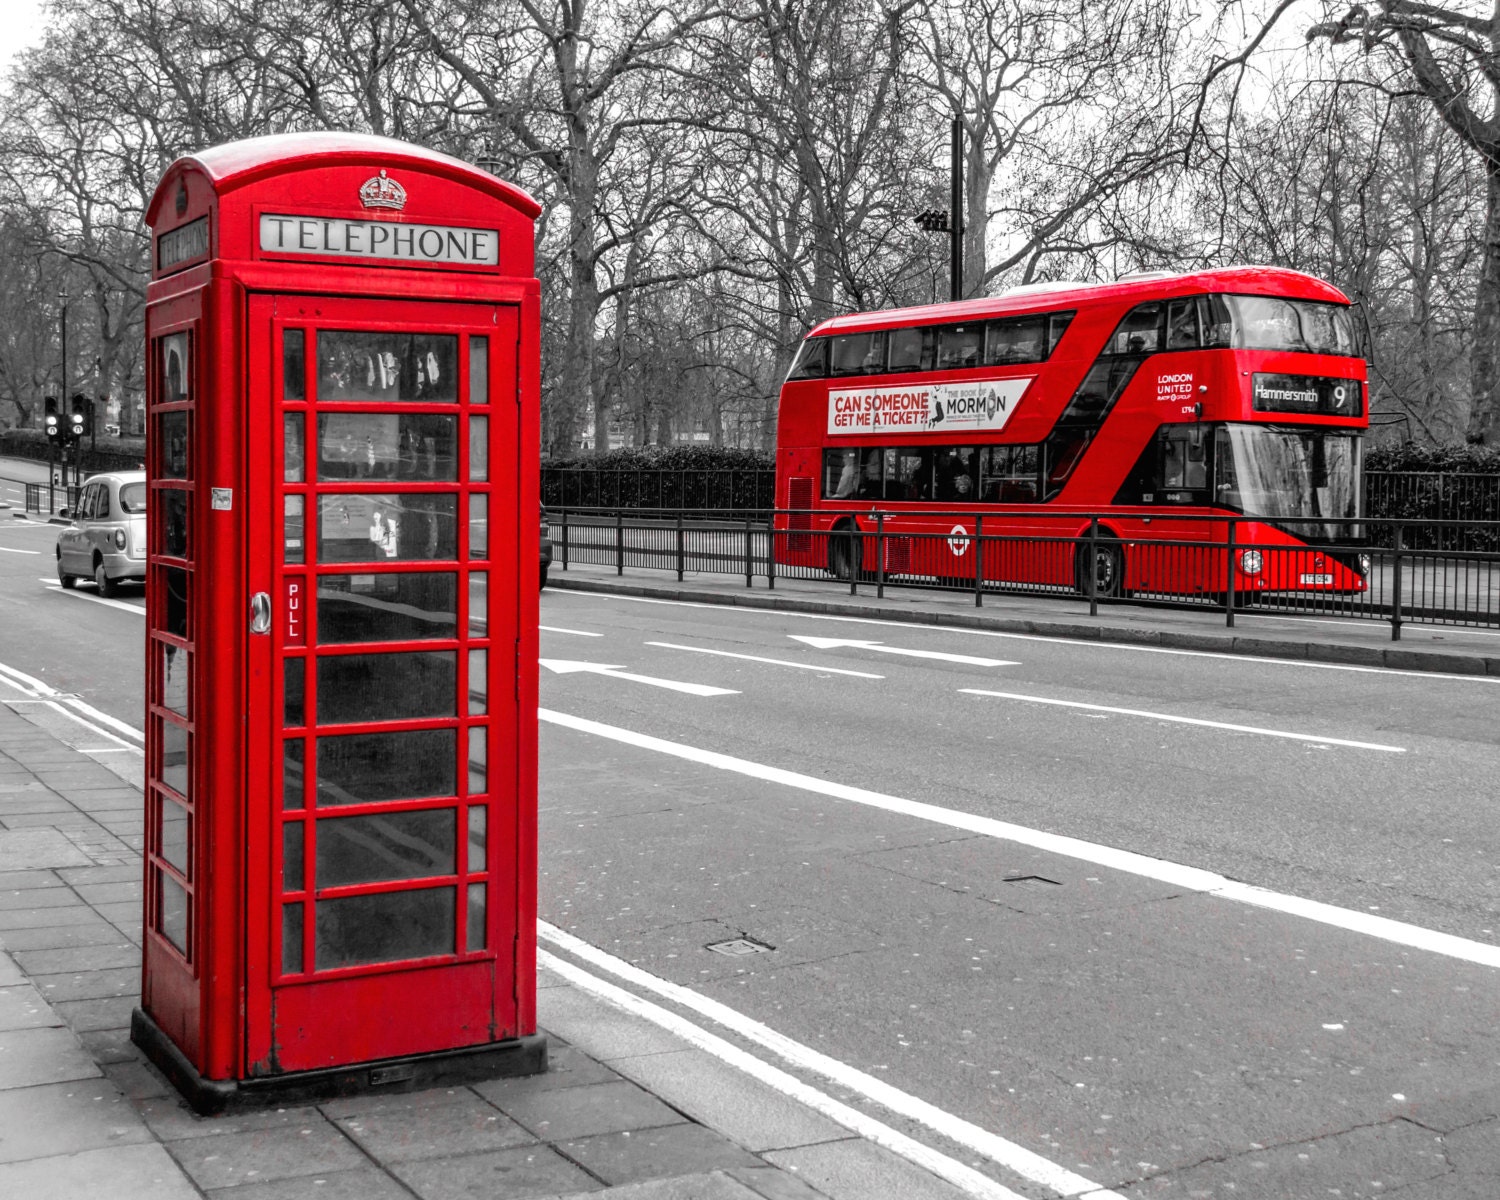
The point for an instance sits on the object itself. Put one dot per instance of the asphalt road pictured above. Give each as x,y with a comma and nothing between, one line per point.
1151,1037
1156,1036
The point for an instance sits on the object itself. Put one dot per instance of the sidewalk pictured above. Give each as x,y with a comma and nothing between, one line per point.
626,1109
1451,649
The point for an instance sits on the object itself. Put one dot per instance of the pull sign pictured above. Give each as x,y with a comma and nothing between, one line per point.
296,630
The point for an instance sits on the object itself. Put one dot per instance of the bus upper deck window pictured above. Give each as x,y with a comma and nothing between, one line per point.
1217,325
911,349
1140,332
858,354
812,360
1057,324
1017,340
959,346
1182,325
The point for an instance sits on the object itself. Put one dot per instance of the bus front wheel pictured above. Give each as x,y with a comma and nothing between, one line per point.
1108,562
843,552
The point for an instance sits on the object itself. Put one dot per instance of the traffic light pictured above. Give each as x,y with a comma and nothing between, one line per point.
51,421
933,220
80,418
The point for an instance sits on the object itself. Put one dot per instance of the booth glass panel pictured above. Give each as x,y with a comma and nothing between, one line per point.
479,370
176,665
478,682
175,772
398,686
394,606
479,449
387,366
477,913
176,369
294,707
385,847
409,447
173,460
293,524
174,521
478,604
478,837
479,525
293,773
291,938
387,527
293,367
384,927
172,918
174,834
367,768
478,759
294,448
292,847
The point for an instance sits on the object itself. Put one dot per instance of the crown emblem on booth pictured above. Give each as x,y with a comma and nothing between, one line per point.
381,191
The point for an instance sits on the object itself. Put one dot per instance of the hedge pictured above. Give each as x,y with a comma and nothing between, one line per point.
109,454
701,477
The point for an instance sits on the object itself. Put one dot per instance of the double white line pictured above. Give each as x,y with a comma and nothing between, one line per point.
121,735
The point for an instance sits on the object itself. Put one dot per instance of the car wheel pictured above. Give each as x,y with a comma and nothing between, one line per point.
544,575
68,581
102,581
843,551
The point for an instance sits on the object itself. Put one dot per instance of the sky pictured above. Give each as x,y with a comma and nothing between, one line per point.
20,26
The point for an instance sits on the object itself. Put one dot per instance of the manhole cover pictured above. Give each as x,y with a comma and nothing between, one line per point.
739,946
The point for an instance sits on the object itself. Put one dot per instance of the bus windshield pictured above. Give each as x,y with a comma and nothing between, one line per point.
1274,323
1270,471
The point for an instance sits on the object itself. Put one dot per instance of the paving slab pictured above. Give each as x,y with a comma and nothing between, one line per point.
363,1183
61,937
34,898
653,1153
858,1170
64,1118
24,880
567,1067
86,1016
715,1185
33,1056
420,1130
22,1007
717,1095
172,1120
144,1172
29,849
594,1108
517,1174
89,985
229,1159
51,961
598,1030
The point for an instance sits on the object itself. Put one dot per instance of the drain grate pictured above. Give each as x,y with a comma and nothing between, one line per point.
1031,879
736,947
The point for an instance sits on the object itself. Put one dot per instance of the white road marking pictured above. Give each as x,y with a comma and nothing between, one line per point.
40,690
564,666
1193,879
138,609
13,550
1156,716
967,660
1016,1158
776,662
1244,659
574,632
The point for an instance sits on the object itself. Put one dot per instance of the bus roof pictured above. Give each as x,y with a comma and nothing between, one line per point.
1247,280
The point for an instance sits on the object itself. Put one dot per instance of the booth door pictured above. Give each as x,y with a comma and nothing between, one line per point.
387,795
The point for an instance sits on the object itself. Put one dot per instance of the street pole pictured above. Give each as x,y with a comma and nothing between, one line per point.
956,210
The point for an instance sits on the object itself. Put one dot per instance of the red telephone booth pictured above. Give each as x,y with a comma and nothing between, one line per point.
342,344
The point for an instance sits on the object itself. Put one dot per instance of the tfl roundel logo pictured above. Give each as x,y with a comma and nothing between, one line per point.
381,191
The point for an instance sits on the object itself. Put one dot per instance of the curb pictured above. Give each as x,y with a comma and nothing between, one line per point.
1250,647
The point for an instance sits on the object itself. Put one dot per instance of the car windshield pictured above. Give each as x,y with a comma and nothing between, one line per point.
133,498
1272,323
1273,471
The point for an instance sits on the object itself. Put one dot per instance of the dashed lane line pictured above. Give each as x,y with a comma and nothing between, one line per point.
775,662
1176,720
1178,875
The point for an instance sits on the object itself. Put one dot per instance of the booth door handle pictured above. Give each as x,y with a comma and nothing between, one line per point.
260,613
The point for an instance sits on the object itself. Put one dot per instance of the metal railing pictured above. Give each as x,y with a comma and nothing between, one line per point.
1398,578
47,498
1432,495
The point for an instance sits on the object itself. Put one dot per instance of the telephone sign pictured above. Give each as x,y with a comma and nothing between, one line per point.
342,380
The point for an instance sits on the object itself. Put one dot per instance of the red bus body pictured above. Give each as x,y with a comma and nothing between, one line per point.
1158,404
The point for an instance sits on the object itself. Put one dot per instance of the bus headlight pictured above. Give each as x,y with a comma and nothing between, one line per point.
1250,562
1365,563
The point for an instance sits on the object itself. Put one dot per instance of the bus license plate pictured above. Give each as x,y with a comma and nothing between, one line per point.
1317,579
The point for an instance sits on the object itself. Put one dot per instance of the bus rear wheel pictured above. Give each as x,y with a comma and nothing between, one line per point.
1108,562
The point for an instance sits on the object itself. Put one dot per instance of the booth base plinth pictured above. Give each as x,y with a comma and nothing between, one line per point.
467,1064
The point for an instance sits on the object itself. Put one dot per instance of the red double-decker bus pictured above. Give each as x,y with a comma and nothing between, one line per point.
1146,415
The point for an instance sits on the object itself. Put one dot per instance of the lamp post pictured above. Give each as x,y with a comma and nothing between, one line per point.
935,220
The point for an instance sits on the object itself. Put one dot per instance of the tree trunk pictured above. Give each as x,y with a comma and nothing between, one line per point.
1484,359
